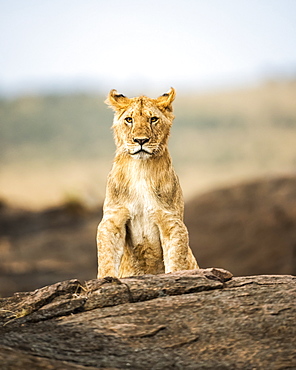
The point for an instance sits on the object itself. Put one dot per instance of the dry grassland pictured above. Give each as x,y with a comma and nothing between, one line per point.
217,139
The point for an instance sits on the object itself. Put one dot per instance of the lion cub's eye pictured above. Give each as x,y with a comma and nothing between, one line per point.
128,120
153,119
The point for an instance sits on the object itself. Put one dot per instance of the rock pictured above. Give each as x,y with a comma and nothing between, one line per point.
248,228
199,319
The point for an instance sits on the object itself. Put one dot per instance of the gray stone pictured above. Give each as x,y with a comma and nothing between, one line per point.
200,319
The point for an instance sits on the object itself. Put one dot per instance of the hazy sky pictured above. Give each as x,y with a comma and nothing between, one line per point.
135,44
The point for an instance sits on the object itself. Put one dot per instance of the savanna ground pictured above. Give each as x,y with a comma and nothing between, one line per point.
234,151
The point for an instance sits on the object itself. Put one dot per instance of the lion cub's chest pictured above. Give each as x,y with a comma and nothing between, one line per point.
142,205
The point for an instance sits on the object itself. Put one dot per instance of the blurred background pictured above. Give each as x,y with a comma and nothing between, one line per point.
233,143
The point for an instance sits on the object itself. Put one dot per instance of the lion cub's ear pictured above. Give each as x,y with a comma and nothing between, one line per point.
117,101
165,100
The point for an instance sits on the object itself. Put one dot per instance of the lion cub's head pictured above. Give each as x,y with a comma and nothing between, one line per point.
141,125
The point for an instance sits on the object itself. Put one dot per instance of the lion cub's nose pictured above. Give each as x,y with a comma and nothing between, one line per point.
141,141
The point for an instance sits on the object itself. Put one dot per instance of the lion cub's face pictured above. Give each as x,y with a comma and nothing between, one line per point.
141,125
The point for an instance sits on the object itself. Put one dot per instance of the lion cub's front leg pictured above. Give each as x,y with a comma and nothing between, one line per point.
175,243
110,241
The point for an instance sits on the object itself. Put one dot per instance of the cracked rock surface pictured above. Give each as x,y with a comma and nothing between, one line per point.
200,319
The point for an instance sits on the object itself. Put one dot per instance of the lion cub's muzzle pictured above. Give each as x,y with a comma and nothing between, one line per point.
141,147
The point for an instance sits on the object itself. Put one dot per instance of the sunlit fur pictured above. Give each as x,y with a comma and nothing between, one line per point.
142,230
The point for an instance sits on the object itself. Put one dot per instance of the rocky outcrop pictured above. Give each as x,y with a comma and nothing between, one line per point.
248,228
200,319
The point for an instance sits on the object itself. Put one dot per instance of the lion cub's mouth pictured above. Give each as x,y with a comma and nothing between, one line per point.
141,151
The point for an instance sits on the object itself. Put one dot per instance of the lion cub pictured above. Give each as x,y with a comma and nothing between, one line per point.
142,230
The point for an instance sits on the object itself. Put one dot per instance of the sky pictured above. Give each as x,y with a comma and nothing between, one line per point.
134,45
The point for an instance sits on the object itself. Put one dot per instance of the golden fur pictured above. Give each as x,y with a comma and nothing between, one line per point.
142,230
